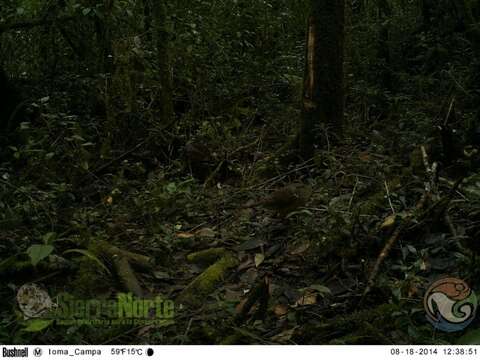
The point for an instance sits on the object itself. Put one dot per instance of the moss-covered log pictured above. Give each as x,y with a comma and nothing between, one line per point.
205,283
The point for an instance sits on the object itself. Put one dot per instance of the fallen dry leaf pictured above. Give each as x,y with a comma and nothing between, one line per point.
280,310
388,222
232,295
248,263
259,259
300,249
206,232
284,336
309,297
364,156
185,235
240,305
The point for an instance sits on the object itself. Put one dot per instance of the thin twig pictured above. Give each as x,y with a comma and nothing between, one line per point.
280,177
353,195
388,196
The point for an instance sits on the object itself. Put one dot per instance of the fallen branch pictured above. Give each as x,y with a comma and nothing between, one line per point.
419,213
204,284
260,293
206,257
122,261
407,221
138,260
127,275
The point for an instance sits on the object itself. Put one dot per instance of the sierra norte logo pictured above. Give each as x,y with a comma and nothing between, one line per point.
125,309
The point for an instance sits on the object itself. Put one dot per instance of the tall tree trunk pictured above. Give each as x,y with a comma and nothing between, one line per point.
162,38
103,25
466,13
472,24
385,14
323,93
11,109
147,19
427,13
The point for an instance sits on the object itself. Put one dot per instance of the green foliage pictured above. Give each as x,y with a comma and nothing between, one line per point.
98,164
37,325
39,252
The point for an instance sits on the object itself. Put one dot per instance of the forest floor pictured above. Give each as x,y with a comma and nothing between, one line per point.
239,274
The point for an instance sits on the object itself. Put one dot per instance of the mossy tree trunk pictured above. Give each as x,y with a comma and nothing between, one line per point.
162,39
323,93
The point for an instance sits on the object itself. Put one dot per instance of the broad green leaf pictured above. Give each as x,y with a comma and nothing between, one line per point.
171,188
49,237
37,325
39,252
321,289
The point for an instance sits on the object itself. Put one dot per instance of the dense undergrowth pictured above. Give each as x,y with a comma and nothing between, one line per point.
98,166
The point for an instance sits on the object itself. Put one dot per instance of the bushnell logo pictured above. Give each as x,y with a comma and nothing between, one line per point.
450,304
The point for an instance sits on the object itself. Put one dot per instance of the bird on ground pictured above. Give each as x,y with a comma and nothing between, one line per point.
286,199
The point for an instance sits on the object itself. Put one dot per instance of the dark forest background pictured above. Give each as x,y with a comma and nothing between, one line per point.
286,171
